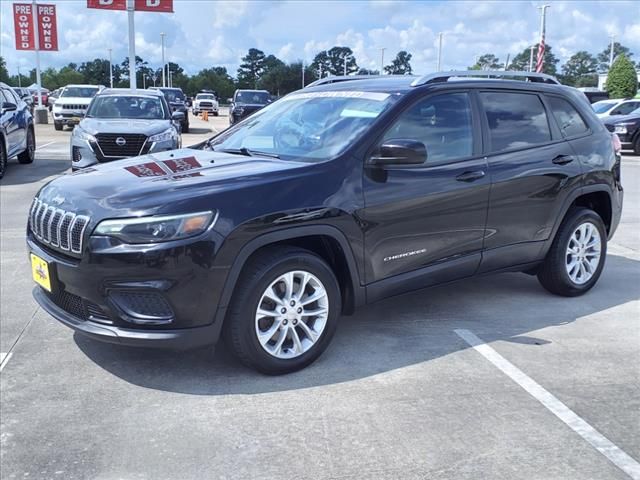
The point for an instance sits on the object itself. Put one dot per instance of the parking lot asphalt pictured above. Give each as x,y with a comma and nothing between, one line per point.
399,393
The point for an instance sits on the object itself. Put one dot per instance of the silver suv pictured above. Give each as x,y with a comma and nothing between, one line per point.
122,123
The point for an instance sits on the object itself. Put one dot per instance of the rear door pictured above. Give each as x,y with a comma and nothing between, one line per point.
533,169
417,217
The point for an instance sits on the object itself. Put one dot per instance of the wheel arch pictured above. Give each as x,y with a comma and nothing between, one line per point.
324,240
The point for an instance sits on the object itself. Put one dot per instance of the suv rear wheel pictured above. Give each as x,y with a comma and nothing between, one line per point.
576,258
3,158
29,153
284,311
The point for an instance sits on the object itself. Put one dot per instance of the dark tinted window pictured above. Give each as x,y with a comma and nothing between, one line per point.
626,108
569,120
516,120
442,123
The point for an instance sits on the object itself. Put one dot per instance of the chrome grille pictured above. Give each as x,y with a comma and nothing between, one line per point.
56,227
132,146
76,106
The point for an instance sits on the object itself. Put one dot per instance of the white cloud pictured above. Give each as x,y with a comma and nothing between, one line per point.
285,53
228,13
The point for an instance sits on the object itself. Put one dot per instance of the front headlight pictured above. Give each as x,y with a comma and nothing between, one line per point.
81,134
169,134
621,128
157,228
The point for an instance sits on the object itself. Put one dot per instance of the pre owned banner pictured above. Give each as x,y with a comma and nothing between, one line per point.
47,28
164,6
23,26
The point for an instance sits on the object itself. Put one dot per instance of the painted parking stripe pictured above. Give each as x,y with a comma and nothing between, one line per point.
618,457
4,359
45,145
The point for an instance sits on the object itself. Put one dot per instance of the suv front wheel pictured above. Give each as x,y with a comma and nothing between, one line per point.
576,258
284,311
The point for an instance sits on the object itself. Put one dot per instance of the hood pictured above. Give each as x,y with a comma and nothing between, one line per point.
73,100
614,119
251,105
117,125
161,182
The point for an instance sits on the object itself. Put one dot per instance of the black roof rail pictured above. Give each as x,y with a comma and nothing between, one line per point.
440,77
341,78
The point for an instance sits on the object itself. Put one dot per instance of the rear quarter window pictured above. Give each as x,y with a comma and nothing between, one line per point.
569,120
515,120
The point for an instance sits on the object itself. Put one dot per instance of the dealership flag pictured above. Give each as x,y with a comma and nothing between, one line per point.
47,27
164,6
23,26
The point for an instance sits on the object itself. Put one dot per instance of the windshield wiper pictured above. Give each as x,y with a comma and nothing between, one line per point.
247,152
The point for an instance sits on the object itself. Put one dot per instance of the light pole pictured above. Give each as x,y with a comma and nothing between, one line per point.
303,74
439,51
19,77
164,80
170,78
132,45
611,51
382,60
533,47
110,71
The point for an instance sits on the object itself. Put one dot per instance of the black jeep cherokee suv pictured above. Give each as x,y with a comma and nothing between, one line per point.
332,197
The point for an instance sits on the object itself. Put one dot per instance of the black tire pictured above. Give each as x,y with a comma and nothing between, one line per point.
240,325
636,145
30,152
553,273
57,126
185,128
3,158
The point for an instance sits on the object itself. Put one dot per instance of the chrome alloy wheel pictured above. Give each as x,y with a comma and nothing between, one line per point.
292,314
583,253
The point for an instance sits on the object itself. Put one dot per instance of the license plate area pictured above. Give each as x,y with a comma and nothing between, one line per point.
42,272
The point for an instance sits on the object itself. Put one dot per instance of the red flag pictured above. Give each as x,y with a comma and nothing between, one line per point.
164,6
107,4
23,26
47,27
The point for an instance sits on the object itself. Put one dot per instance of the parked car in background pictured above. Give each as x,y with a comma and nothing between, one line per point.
205,102
627,127
177,102
45,96
17,135
122,123
25,96
72,104
593,94
330,198
52,97
247,102
616,106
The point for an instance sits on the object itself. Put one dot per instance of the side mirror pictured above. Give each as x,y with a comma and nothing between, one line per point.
229,100
177,116
400,152
9,107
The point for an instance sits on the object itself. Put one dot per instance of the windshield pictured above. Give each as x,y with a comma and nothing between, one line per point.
111,106
601,107
82,92
635,112
259,98
173,95
313,125
205,97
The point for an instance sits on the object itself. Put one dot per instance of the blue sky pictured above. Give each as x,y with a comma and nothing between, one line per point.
205,33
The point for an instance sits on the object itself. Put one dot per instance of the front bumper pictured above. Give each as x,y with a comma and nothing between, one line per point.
85,154
96,294
67,117
198,109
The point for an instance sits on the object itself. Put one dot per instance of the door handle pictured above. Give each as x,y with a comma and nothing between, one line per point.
470,176
562,159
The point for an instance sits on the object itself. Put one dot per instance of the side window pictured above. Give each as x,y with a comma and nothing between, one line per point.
3,97
516,120
569,120
627,108
443,123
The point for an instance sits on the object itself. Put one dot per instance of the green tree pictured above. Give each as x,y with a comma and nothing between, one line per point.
605,55
332,62
366,71
580,70
96,71
521,61
488,61
400,65
142,67
284,79
4,73
321,65
622,81
251,68
215,78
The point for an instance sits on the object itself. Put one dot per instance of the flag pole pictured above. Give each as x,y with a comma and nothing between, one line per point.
132,45
541,46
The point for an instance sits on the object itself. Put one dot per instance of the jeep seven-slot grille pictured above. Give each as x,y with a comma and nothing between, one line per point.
121,144
74,106
56,227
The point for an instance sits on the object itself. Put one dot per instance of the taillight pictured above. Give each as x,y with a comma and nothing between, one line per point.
617,146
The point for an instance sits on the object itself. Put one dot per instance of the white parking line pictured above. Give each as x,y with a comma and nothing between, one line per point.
4,359
45,145
618,457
